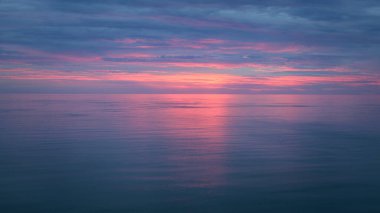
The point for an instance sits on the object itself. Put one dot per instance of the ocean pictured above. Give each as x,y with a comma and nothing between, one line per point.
67,153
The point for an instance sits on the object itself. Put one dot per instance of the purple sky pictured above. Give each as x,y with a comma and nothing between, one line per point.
209,46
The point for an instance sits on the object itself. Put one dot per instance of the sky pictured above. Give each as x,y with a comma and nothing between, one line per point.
198,46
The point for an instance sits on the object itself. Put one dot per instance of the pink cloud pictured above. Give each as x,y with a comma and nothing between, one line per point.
219,45
188,80
129,40
132,55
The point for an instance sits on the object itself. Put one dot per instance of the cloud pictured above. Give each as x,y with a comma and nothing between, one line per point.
240,38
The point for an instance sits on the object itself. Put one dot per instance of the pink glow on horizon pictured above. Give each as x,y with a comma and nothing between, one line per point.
285,81
188,80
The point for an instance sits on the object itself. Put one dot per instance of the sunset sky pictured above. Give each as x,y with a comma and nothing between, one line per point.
198,46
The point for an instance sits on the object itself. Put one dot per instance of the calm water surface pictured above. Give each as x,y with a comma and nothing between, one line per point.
189,153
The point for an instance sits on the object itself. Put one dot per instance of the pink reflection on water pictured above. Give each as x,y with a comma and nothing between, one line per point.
193,128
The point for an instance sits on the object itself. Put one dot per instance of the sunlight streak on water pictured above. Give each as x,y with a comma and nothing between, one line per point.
189,153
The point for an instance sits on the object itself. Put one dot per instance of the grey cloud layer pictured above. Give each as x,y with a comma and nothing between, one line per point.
342,33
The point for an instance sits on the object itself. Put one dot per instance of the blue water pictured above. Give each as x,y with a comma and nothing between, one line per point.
189,153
